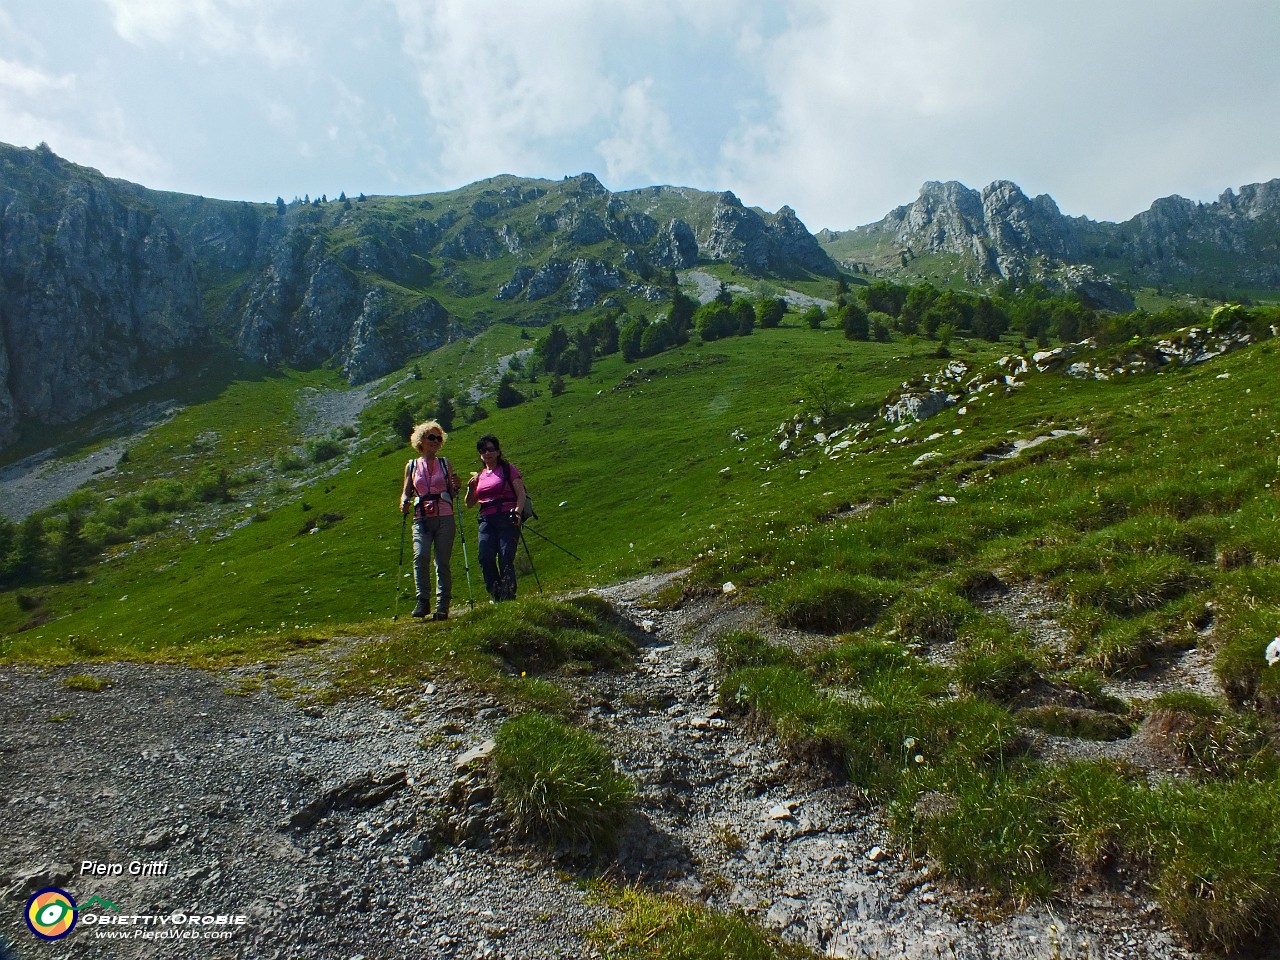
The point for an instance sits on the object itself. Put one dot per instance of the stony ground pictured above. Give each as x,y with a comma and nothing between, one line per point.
357,830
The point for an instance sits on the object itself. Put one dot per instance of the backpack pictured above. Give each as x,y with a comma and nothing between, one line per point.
528,513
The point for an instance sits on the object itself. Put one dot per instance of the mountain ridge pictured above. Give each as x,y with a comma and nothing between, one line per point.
107,287
1001,234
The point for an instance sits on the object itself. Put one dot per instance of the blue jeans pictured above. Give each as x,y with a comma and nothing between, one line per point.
498,538
433,533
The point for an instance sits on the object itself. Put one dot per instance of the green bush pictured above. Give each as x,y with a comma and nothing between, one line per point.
289,461
322,449
558,783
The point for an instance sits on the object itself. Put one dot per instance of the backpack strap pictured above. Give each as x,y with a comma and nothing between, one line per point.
506,476
411,487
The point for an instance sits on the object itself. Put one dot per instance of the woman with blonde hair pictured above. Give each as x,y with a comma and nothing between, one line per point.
429,487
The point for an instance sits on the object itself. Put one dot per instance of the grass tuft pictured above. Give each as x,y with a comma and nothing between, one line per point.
650,925
829,602
557,783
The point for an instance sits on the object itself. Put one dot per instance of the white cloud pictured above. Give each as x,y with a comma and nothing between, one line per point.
642,146
1093,102
206,22
839,108
504,86
226,28
27,81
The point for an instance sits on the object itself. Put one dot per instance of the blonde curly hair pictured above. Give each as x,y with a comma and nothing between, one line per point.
418,439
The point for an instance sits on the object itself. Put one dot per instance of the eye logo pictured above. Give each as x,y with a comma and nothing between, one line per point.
51,913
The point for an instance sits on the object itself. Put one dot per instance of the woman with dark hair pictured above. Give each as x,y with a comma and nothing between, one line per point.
499,490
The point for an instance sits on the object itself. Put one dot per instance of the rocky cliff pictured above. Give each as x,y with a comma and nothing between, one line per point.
999,233
98,295
107,287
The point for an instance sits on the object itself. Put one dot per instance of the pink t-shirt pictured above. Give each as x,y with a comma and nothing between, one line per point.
430,481
493,492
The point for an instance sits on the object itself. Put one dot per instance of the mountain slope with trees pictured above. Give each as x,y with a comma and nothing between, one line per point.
106,286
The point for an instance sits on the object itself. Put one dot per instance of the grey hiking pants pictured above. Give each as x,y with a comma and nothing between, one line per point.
433,535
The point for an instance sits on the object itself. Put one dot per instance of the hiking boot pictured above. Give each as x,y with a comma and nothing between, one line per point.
440,615
421,610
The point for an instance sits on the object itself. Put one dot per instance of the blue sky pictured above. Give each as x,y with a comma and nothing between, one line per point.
839,108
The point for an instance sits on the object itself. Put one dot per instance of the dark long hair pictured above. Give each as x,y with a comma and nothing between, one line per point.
490,440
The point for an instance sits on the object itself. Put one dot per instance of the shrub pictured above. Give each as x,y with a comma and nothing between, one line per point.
212,484
558,783
323,449
289,461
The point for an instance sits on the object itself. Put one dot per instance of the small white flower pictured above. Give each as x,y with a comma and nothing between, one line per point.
909,742
1273,652
919,758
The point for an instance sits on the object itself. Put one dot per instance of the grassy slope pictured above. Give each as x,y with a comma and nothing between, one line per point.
646,467
639,468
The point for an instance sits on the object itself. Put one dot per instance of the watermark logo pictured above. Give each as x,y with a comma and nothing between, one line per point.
51,914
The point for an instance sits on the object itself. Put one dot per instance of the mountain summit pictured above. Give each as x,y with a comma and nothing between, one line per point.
953,233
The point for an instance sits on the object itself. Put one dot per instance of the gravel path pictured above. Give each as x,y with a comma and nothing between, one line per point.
45,478
351,830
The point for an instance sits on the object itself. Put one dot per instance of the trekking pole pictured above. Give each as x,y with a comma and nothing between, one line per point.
395,609
532,568
465,561
554,544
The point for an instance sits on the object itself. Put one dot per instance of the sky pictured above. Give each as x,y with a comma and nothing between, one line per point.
840,109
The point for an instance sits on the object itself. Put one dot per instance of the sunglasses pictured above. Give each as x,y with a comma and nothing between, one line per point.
488,449
434,438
